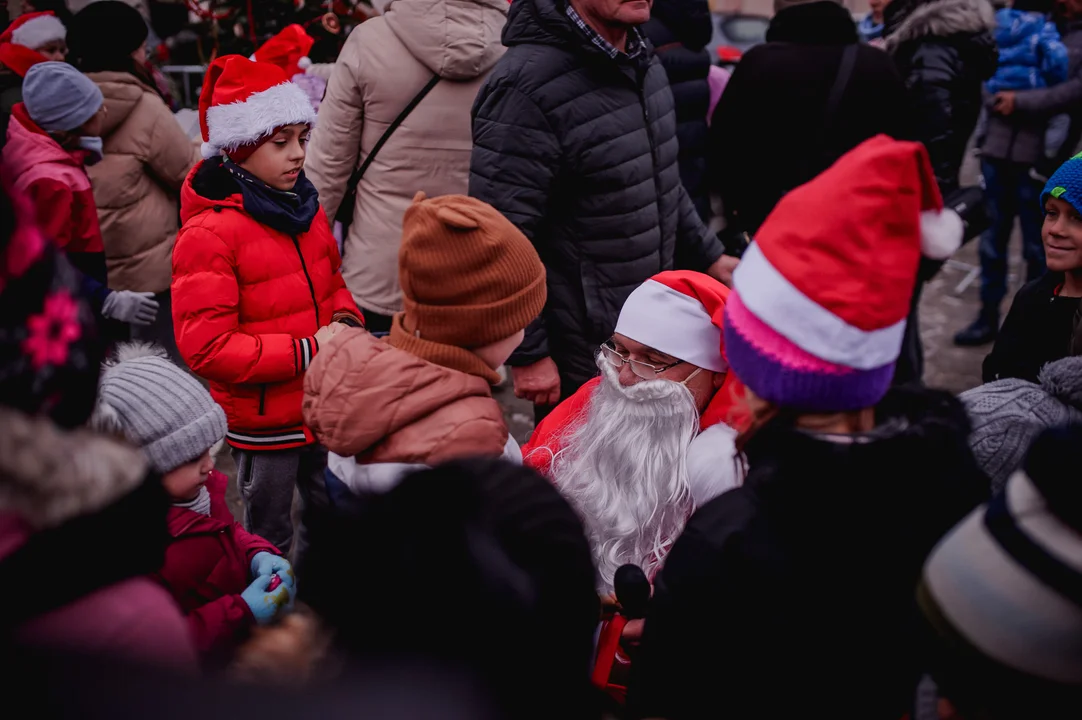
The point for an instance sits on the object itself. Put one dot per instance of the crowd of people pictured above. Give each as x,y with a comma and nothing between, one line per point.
739,499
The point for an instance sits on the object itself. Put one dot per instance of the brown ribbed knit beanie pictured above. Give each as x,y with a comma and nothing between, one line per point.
469,277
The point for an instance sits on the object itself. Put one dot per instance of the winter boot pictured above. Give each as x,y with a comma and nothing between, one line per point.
983,330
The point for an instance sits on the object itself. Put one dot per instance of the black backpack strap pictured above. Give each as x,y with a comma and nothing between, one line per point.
355,178
834,100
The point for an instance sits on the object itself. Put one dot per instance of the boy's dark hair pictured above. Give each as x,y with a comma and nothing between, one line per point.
476,564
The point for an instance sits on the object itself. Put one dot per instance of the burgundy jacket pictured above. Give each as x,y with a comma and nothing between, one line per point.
207,567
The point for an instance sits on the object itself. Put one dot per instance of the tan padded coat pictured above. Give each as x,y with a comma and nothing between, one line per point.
384,64
137,183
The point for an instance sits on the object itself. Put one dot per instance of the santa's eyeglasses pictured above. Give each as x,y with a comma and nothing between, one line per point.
644,370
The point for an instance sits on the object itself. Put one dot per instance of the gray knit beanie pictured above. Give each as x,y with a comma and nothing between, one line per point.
157,407
1008,415
58,97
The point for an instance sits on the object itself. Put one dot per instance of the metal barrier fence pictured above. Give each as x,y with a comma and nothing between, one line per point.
189,85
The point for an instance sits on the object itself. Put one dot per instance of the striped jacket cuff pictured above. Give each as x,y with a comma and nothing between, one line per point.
305,349
348,319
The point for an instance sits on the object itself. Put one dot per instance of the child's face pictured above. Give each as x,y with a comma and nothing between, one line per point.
56,50
278,161
1062,236
183,483
94,126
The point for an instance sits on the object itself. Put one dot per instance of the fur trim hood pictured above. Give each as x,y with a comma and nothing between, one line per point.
49,476
943,18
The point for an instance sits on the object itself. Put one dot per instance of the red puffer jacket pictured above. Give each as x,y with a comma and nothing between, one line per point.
247,301
207,567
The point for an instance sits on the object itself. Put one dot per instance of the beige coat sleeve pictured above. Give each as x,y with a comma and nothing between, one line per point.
171,153
336,143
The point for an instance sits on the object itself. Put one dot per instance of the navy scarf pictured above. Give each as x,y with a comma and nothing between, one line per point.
287,211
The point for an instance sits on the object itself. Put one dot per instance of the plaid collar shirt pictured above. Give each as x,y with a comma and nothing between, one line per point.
634,39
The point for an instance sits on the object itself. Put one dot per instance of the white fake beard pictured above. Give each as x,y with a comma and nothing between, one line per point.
624,470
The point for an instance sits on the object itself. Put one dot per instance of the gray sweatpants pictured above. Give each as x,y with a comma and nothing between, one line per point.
266,479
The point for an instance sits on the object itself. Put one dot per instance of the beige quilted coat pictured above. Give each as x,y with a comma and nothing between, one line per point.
137,184
384,64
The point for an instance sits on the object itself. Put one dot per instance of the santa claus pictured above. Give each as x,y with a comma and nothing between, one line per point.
637,449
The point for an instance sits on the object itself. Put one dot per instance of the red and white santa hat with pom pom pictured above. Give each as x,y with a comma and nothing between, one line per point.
288,50
20,41
243,102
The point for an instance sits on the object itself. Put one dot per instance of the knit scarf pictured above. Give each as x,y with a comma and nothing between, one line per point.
447,356
290,212
201,503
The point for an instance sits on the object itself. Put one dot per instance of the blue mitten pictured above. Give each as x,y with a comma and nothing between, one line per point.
265,605
265,563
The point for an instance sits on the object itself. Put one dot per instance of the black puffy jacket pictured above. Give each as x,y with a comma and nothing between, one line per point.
679,31
945,51
579,150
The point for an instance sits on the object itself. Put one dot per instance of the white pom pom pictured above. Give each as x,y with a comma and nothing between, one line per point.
208,151
252,57
941,233
304,63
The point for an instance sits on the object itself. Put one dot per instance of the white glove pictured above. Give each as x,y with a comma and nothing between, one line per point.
137,308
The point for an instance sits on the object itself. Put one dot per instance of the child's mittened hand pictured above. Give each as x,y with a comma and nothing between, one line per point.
265,606
265,563
325,333
137,308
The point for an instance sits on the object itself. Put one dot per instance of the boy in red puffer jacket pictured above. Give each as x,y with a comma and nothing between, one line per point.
220,575
256,287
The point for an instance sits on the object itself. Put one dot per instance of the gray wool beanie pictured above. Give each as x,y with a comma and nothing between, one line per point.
157,407
58,97
1008,415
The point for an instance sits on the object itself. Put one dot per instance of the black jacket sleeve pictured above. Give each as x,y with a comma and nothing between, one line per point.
931,75
516,156
1011,355
696,247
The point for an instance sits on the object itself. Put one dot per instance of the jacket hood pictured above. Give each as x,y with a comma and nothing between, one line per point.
207,187
364,397
688,20
815,23
28,146
49,476
455,39
122,93
915,19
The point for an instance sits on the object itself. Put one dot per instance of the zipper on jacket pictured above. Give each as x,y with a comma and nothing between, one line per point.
311,287
653,149
262,398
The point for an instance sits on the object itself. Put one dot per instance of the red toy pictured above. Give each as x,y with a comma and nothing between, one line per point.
276,580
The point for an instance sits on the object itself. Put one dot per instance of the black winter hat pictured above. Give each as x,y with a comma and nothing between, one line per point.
104,34
50,350
476,564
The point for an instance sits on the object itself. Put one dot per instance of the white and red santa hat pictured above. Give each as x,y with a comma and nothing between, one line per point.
244,102
820,299
679,313
20,41
288,50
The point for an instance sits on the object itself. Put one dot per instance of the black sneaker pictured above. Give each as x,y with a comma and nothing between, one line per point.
982,331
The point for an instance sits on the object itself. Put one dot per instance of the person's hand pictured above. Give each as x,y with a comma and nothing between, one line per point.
722,269
539,383
265,606
137,308
265,563
1003,102
325,333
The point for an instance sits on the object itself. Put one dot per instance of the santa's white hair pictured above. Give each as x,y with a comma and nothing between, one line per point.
624,470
